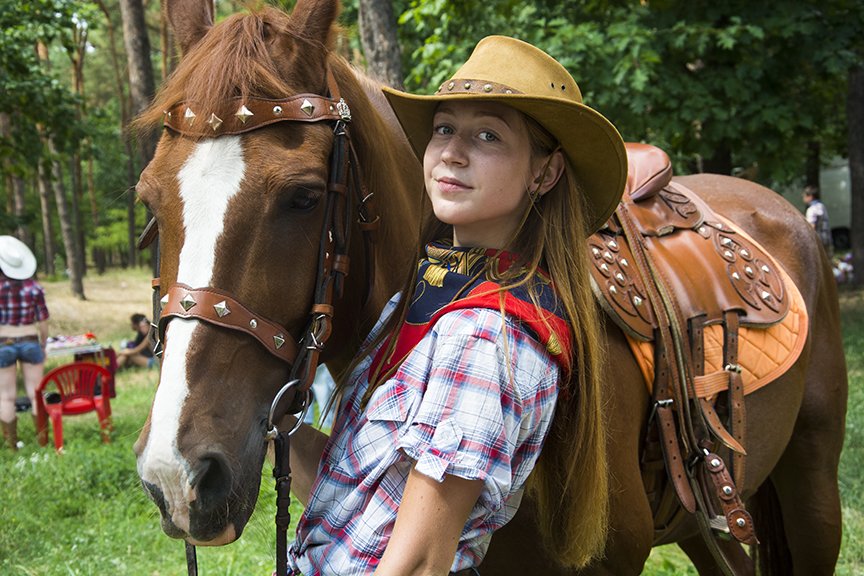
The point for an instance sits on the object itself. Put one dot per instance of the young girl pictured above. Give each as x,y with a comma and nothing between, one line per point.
443,418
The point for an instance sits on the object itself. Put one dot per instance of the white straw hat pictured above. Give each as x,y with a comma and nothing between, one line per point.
16,259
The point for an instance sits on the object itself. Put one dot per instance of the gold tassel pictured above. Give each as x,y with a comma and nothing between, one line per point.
434,275
553,345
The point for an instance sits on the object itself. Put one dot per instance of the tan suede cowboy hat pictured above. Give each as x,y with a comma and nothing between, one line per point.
16,259
515,73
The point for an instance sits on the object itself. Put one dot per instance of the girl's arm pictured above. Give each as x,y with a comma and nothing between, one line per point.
428,525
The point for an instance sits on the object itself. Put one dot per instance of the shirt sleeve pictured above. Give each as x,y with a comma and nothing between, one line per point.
39,304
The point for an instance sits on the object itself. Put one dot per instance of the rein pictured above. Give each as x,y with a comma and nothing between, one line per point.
218,307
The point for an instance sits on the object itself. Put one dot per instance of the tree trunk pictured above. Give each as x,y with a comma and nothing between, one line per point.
44,185
855,127
15,187
814,163
123,99
66,228
380,41
141,83
141,89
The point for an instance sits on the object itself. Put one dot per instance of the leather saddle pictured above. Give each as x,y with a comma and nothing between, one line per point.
666,267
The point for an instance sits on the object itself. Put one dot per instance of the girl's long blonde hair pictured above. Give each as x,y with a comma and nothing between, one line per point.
569,484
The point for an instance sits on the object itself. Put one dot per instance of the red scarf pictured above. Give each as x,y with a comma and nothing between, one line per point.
453,278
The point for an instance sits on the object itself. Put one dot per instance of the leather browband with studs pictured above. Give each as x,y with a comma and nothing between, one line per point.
238,116
467,86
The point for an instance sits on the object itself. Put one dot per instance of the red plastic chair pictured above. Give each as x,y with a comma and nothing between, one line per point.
70,390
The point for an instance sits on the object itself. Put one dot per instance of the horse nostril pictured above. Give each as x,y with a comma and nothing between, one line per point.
211,480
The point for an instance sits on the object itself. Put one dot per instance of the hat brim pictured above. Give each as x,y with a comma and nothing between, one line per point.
592,144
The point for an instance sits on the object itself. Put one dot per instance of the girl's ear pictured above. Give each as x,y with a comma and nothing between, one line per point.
549,172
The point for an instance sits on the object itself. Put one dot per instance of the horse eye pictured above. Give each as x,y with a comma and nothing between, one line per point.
305,200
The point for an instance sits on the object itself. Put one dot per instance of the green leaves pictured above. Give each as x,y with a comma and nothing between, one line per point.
760,80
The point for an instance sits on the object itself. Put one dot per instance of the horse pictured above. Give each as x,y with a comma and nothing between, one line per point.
249,215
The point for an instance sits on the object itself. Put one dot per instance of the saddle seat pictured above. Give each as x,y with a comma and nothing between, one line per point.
711,266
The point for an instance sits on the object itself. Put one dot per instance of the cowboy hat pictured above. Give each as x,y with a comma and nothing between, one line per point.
515,73
16,259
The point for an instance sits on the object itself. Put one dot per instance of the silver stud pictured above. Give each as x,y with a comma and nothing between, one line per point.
613,289
189,116
726,241
608,256
451,85
624,263
727,490
214,121
187,302
702,230
749,271
487,87
307,107
736,276
613,244
604,267
596,252
279,341
467,85
715,462
243,114
253,323
729,254
619,277
744,253
637,300
741,522
508,91
766,295
766,269
222,309
277,110
164,300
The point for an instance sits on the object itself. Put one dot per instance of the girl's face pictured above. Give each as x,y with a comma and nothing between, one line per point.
478,169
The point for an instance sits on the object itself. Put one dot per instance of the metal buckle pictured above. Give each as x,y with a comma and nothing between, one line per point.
272,430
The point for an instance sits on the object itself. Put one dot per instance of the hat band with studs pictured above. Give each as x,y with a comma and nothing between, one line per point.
467,86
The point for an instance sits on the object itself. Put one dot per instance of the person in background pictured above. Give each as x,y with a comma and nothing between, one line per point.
817,216
139,352
23,333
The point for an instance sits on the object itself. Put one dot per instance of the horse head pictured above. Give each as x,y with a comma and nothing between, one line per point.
248,208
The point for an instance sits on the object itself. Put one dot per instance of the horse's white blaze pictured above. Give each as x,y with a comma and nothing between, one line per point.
208,180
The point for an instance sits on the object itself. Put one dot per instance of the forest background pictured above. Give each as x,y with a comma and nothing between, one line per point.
769,91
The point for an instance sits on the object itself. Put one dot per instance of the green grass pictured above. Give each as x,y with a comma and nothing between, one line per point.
84,513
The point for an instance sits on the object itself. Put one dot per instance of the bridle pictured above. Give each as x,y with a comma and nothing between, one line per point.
218,307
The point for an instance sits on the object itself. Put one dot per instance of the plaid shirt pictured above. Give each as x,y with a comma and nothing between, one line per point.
22,302
451,408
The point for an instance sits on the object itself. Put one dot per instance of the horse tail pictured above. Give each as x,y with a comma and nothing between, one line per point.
772,555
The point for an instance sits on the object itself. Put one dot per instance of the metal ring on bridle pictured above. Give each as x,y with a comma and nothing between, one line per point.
271,427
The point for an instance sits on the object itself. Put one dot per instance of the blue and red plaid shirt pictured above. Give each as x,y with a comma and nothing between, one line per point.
474,399
22,302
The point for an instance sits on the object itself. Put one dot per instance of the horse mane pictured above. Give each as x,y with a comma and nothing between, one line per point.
233,60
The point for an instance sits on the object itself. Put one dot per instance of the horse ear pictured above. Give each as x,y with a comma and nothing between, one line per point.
314,18
190,20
